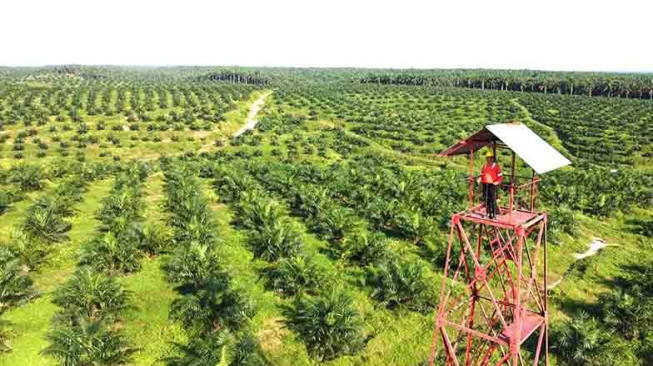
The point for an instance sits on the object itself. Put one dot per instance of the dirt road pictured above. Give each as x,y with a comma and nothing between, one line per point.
251,121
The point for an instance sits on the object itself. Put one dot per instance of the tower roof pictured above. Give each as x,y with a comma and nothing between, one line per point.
530,147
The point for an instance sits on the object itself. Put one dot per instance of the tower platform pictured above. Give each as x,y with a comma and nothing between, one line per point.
507,218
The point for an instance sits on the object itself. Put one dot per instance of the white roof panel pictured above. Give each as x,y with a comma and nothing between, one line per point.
537,153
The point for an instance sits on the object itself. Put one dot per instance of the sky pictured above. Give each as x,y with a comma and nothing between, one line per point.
574,35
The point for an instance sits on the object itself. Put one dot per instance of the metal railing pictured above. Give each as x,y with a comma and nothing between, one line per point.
518,193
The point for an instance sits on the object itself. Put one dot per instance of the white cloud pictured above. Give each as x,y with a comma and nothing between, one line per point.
551,35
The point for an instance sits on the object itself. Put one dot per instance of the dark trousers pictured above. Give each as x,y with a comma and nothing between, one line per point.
490,199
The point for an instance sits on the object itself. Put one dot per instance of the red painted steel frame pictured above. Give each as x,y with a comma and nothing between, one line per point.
493,295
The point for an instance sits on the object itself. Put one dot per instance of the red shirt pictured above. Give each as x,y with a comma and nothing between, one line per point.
491,173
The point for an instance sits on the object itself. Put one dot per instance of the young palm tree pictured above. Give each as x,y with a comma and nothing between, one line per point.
578,340
193,220
15,289
114,253
275,240
157,239
4,336
7,197
333,223
27,177
296,276
329,325
219,349
91,295
231,184
366,248
190,267
400,283
43,222
412,224
255,209
121,208
15,286
91,343
212,307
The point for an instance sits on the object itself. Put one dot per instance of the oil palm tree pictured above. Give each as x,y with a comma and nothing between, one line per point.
114,252
91,343
120,208
627,313
190,267
366,248
212,307
219,349
255,209
412,224
15,286
27,177
91,295
578,340
400,283
15,289
296,276
329,325
274,240
334,222
156,239
43,222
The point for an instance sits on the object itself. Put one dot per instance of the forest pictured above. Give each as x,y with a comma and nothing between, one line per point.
142,225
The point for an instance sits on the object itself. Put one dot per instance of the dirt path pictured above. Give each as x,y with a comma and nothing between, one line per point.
251,121
594,247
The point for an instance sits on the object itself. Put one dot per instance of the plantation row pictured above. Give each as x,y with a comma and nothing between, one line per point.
214,314
91,303
42,231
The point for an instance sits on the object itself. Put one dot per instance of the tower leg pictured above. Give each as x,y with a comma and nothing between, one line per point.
491,299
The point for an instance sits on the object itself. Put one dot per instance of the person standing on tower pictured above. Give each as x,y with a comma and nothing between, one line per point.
490,178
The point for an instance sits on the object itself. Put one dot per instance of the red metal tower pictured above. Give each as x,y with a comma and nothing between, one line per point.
493,300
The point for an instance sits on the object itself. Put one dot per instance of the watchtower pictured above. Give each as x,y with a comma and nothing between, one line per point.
494,291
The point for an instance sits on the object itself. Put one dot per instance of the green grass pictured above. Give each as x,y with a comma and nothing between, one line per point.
147,326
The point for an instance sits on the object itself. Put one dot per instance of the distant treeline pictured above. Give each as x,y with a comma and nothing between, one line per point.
235,77
593,84
639,86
